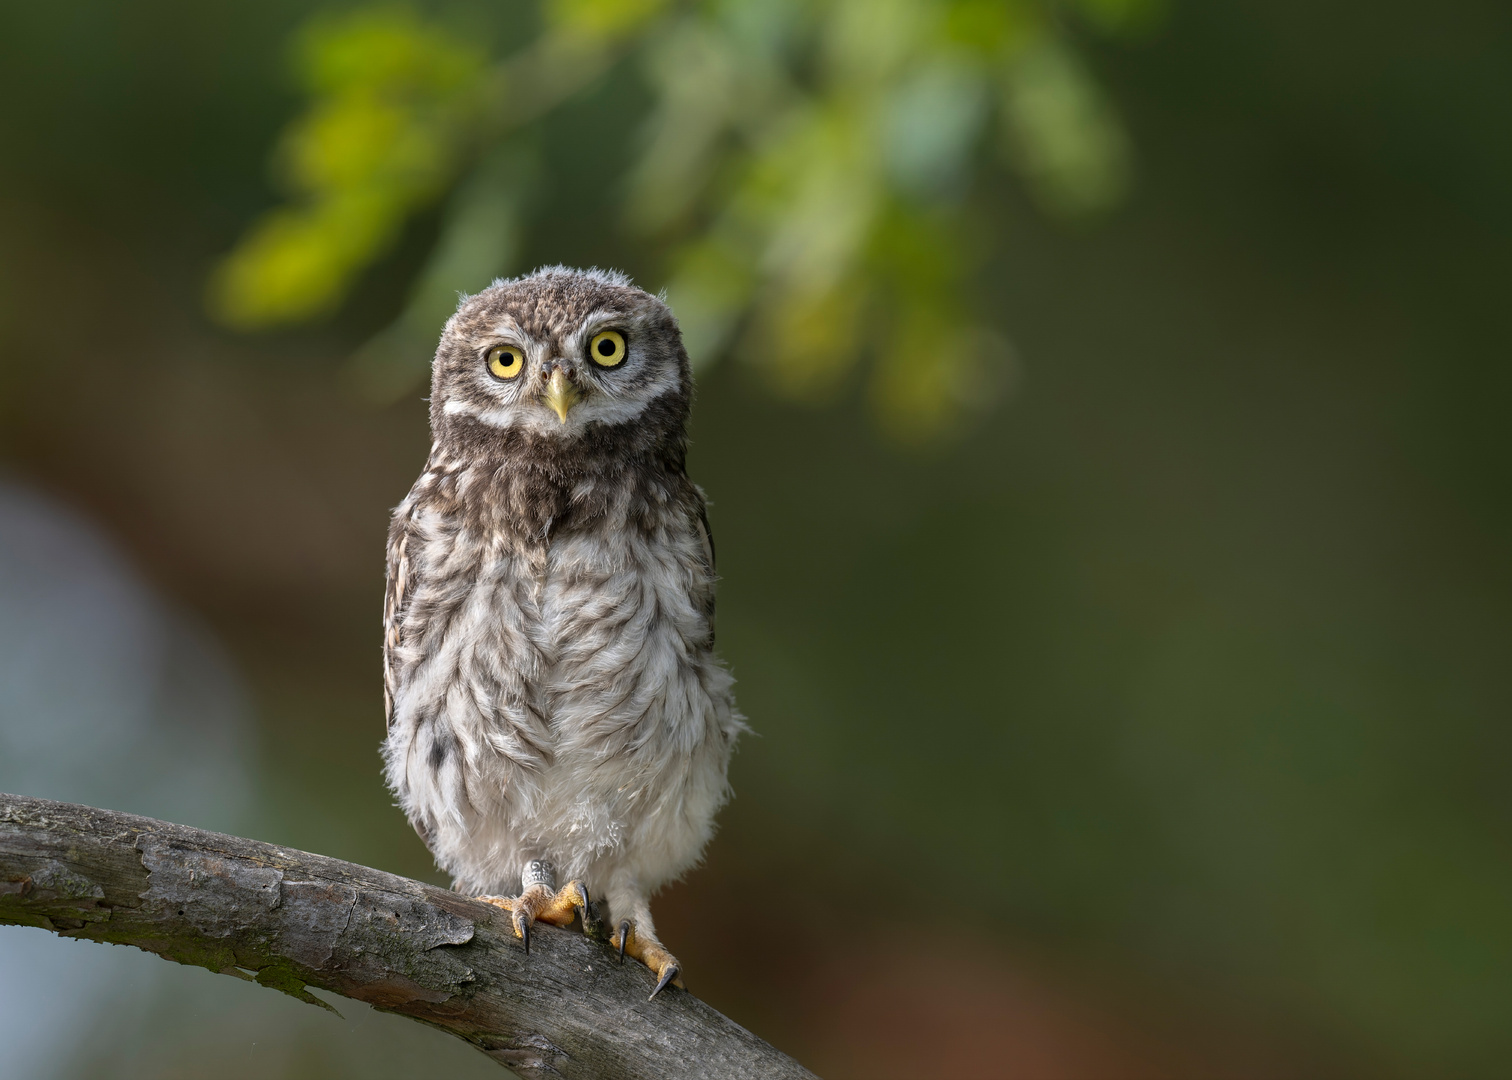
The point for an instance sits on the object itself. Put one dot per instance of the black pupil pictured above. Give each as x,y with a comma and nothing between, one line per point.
505,358
606,347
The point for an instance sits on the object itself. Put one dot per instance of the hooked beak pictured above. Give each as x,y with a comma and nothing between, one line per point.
561,395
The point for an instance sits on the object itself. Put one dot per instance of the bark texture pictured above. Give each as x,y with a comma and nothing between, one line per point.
290,920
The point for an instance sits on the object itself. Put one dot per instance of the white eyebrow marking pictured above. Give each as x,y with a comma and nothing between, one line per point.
596,320
576,343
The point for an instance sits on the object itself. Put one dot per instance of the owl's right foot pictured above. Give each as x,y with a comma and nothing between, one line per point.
537,902
641,944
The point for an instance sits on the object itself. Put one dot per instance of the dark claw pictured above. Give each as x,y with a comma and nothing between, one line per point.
583,905
624,937
667,976
523,925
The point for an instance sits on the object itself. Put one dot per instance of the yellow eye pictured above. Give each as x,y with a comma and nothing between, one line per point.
607,348
505,361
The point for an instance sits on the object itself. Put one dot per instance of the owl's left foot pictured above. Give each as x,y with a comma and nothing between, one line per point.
538,903
645,948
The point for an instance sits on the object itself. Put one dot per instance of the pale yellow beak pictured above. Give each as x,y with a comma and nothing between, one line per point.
561,395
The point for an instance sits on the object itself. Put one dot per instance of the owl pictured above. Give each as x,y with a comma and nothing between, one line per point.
555,705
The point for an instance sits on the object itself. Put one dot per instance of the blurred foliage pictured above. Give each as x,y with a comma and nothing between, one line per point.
807,169
390,106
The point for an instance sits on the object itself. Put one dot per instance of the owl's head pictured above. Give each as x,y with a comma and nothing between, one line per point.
557,357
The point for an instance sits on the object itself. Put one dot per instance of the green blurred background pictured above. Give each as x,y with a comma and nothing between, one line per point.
1149,719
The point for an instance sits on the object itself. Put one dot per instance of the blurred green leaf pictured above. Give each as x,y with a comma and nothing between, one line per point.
390,108
1068,144
601,18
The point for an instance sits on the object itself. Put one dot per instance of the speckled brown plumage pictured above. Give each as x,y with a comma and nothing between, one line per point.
551,685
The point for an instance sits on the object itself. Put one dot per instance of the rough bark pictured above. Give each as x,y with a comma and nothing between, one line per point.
290,920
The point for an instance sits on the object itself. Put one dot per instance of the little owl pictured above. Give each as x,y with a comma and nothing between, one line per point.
554,701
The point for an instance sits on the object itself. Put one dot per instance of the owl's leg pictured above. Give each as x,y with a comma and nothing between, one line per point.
541,901
636,937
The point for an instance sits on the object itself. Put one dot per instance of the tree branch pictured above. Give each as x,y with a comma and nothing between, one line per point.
291,920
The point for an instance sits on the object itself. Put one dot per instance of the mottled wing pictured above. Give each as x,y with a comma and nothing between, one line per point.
706,535
396,596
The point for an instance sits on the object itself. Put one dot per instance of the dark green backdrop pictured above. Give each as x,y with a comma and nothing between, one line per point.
1167,707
